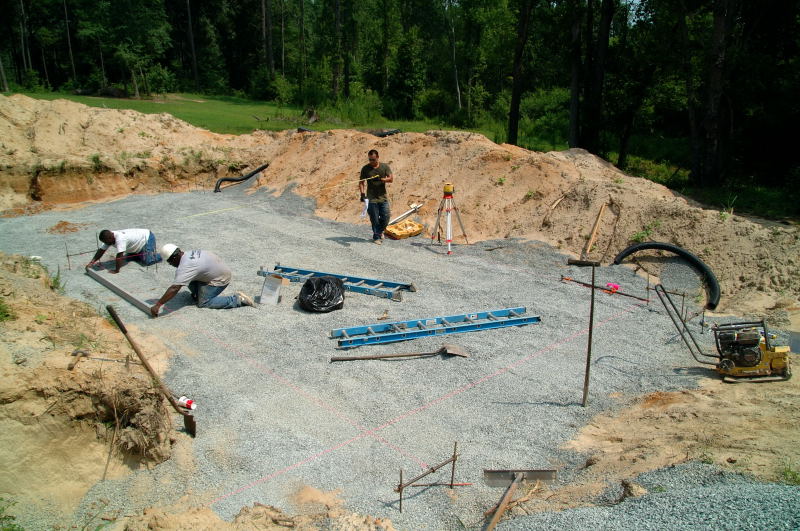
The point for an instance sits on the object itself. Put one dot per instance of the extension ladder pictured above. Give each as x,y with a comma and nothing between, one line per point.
386,289
357,336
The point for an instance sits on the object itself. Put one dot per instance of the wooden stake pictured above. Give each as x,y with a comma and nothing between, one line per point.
592,236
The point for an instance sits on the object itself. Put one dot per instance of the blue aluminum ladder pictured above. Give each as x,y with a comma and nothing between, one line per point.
386,289
357,336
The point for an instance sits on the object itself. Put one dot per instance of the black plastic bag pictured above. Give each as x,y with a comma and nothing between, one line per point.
322,294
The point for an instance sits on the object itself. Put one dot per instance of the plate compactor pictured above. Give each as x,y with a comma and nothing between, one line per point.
744,349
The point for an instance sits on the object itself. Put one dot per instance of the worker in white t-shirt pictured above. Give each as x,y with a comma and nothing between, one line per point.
131,244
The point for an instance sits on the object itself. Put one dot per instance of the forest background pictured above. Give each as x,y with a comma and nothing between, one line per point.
700,95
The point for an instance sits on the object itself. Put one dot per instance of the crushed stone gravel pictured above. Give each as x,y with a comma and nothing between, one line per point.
274,414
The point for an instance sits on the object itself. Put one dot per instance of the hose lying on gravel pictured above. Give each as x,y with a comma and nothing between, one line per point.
709,279
238,179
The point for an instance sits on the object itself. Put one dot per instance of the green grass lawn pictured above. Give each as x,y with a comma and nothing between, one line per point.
230,115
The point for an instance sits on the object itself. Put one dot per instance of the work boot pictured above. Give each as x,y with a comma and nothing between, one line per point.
379,242
245,300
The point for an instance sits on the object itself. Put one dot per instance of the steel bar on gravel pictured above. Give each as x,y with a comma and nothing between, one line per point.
431,470
119,291
564,279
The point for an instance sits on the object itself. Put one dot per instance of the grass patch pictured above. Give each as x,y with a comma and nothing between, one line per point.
7,520
6,314
790,476
644,234
231,115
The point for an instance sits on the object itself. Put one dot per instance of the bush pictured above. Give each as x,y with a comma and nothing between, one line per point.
31,81
436,103
362,107
161,80
545,118
259,85
284,90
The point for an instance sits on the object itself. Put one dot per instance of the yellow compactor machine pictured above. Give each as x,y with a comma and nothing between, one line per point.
744,349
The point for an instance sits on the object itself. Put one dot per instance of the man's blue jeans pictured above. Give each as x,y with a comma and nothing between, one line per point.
148,255
208,296
379,217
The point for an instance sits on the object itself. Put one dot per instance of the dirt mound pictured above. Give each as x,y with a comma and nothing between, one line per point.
59,152
64,227
56,424
261,517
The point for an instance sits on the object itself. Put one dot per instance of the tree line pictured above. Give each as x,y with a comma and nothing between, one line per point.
708,84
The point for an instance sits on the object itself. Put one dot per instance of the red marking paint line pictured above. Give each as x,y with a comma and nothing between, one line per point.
424,407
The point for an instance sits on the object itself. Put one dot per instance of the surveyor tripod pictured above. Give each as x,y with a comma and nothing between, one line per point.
448,205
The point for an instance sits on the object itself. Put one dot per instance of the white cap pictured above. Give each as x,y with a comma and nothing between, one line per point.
167,249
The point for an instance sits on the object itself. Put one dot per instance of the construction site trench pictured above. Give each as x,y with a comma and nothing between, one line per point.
660,441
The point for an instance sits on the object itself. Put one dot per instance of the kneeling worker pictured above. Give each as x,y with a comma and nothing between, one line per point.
131,244
206,276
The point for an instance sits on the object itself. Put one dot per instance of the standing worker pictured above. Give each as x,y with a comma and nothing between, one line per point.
374,176
131,244
206,276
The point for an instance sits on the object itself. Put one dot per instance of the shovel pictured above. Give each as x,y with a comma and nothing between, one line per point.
446,350
189,423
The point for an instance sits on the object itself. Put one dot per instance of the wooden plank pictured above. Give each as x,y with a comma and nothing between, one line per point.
590,241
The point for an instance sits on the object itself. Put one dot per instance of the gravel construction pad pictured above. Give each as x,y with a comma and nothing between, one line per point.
274,414
687,496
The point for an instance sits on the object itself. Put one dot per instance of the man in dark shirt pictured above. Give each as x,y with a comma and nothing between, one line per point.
372,186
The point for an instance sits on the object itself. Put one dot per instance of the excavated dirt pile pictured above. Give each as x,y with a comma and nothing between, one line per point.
54,153
101,418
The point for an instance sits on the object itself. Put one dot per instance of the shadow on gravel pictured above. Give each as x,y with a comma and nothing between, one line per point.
346,240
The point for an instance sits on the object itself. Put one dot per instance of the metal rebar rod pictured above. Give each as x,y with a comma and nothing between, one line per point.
429,471
453,471
589,348
563,278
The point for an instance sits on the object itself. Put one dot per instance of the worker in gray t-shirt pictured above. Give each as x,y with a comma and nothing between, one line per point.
205,275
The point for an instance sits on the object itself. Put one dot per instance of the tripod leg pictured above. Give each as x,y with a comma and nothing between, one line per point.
438,217
458,216
449,234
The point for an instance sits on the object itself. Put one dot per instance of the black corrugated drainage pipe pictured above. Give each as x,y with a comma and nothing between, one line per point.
238,179
712,286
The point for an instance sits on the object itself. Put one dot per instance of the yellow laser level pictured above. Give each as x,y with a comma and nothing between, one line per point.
448,188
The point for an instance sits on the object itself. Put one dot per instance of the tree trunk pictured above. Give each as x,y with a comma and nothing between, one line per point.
69,44
337,57
44,66
349,45
575,76
102,63
3,81
716,135
594,97
283,38
516,86
191,46
27,64
302,44
691,94
385,48
266,35
448,5
135,84
144,81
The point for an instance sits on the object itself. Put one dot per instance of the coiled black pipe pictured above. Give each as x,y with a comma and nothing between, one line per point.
238,179
712,285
